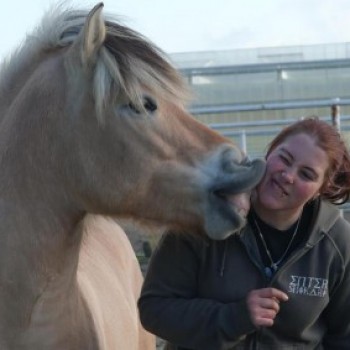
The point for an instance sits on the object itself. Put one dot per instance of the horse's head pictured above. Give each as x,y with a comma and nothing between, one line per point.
105,108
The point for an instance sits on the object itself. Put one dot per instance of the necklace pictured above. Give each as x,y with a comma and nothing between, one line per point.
274,265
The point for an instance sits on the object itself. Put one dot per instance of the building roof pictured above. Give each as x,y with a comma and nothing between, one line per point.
266,55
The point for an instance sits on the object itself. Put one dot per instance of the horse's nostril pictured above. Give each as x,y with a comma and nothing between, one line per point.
229,165
231,158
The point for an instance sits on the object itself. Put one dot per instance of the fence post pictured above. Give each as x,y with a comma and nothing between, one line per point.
243,141
335,113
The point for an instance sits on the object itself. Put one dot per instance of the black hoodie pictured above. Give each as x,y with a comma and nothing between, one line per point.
194,294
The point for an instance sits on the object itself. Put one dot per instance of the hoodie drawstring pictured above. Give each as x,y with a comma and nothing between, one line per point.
223,261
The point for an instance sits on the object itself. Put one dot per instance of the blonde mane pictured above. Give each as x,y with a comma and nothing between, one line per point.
127,66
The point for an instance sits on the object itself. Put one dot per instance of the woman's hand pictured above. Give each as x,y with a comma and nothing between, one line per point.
263,305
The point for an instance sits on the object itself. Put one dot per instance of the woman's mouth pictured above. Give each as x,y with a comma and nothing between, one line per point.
283,193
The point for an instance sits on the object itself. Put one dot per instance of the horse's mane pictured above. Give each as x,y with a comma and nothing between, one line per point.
128,63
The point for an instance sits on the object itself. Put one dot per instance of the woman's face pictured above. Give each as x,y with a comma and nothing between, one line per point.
295,172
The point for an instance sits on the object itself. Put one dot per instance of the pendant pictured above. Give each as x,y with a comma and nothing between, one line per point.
268,271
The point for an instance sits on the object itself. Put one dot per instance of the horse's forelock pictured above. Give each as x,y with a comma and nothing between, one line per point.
127,63
142,64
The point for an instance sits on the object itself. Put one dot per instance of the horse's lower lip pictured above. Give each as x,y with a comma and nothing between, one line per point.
238,203
227,214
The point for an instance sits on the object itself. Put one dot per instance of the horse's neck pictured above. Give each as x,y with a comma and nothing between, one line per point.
14,74
107,259
40,301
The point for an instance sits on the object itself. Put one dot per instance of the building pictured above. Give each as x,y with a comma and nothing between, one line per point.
249,94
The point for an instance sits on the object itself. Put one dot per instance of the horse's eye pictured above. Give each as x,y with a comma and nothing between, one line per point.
150,105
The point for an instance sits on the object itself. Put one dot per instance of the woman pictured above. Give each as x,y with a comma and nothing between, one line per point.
284,281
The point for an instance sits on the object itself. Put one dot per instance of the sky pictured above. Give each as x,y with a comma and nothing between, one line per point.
202,25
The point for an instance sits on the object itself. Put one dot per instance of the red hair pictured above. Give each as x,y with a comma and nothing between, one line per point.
336,186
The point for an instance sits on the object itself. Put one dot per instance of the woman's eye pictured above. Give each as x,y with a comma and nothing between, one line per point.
307,175
284,159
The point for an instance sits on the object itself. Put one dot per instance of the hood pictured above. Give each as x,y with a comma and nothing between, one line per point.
324,216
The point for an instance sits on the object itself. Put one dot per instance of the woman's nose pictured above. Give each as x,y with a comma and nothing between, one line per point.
288,176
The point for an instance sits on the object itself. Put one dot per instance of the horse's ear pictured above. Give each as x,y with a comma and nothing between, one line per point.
91,37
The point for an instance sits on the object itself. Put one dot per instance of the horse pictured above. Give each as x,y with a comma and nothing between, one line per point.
94,125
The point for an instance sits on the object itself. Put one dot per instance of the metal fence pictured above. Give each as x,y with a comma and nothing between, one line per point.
254,137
